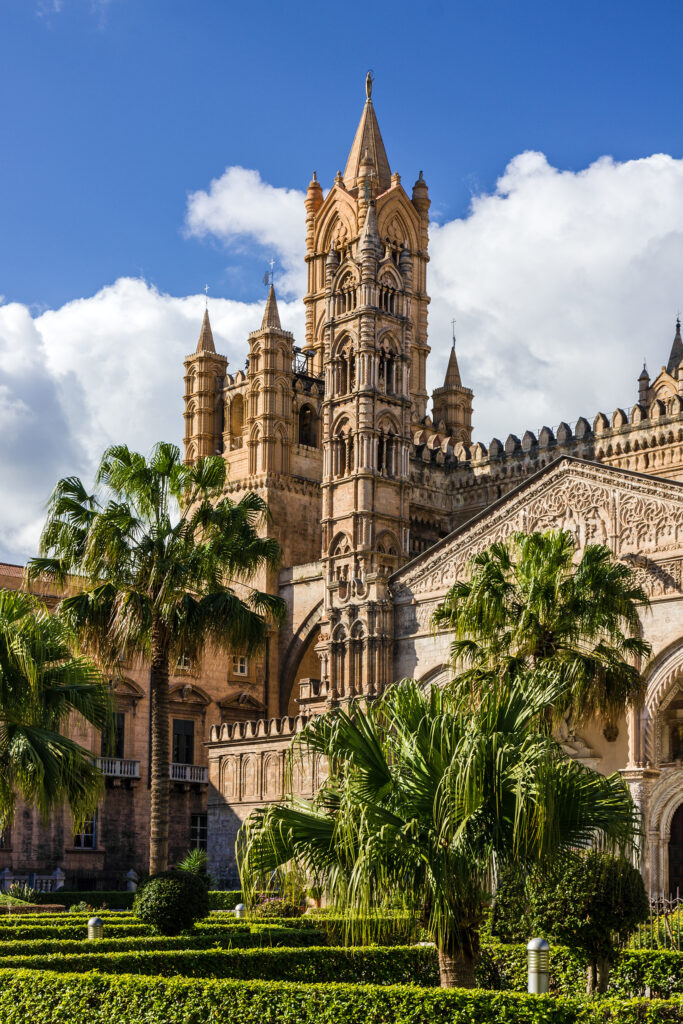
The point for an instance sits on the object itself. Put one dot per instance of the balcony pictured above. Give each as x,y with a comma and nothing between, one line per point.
118,767
188,773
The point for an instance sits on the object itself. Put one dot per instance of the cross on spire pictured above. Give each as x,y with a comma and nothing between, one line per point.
453,331
206,293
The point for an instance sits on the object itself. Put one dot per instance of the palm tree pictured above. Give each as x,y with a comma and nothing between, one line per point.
428,797
529,603
41,684
162,564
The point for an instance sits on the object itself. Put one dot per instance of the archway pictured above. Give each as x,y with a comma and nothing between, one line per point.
676,853
301,660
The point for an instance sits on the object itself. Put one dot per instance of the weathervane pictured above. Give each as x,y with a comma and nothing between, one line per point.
206,293
269,274
453,330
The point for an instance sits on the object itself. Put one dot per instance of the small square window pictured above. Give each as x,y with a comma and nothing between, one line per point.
240,665
198,826
184,663
86,839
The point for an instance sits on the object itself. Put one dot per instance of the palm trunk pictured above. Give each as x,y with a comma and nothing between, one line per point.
160,789
456,970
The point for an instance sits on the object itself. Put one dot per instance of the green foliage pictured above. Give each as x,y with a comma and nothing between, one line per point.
109,899
241,936
528,604
276,908
50,998
172,901
22,893
225,899
368,964
426,793
197,863
510,921
42,683
586,901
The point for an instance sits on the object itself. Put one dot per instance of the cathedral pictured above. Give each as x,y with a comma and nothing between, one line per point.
379,501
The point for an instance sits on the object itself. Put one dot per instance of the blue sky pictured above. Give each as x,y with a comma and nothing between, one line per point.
152,146
117,110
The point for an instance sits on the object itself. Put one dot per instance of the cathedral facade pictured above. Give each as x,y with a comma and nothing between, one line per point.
378,502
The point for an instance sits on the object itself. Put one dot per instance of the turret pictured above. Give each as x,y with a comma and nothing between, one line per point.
453,403
644,387
204,383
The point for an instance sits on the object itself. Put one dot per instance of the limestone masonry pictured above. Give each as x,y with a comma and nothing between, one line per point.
377,506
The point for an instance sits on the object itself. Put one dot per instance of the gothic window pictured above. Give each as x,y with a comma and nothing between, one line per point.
343,375
677,741
237,421
308,432
219,420
345,298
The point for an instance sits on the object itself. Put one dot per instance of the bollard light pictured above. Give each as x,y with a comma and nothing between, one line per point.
538,959
95,928
240,910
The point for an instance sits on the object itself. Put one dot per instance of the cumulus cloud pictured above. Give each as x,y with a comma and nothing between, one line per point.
561,282
239,208
98,370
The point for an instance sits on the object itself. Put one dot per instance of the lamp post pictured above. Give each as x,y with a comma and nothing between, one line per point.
538,960
95,928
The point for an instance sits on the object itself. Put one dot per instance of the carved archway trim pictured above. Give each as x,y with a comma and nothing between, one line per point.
295,652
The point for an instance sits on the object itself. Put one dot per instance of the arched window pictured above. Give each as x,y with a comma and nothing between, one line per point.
308,427
219,422
236,421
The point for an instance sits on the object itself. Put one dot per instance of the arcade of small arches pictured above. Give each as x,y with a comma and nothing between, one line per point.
381,451
381,370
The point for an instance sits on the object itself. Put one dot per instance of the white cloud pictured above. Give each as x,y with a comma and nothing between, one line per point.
240,208
560,282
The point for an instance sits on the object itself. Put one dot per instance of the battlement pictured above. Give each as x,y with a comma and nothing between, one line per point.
234,732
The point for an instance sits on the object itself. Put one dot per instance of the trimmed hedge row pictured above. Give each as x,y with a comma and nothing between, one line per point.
364,964
115,899
237,938
67,928
634,972
50,998
219,899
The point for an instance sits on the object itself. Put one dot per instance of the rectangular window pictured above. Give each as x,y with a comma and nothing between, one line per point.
240,665
184,663
198,831
113,738
183,741
86,839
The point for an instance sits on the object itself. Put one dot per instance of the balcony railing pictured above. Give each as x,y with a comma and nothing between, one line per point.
188,773
119,767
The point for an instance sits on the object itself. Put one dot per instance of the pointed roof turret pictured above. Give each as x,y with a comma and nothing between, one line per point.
271,315
676,349
205,343
369,237
368,147
452,378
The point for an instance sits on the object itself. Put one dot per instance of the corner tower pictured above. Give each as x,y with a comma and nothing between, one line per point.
204,383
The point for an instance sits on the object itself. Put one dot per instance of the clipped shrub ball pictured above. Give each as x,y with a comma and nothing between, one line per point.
172,901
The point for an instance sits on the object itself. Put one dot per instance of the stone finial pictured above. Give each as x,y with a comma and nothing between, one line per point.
369,241
676,354
205,343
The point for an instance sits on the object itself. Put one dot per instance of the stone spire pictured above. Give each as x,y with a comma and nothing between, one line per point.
368,147
676,354
452,378
205,343
271,316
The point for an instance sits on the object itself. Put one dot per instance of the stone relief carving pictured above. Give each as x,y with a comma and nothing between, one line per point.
636,518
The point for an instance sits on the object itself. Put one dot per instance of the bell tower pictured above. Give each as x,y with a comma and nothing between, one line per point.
366,330
204,384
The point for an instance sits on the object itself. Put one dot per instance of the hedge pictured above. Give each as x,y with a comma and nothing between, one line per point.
367,964
224,899
50,998
634,971
116,899
235,938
